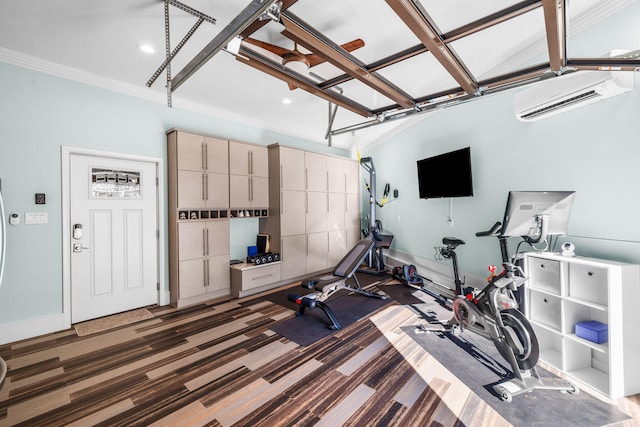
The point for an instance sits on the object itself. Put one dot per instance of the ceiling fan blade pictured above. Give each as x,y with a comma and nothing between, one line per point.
280,51
349,47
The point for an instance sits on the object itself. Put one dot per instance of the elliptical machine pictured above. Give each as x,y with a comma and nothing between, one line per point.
493,312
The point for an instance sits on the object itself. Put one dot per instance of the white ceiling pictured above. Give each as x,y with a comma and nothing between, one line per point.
96,42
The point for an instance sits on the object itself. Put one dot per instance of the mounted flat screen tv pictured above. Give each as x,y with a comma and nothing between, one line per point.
446,175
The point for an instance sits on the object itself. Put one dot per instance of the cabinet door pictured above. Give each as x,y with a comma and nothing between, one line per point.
191,189
217,155
219,275
259,161
294,256
217,233
192,277
337,247
259,192
239,190
190,149
352,211
352,175
317,251
217,190
336,212
316,171
191,240
335,172
239,158
316,212
292,171
292,213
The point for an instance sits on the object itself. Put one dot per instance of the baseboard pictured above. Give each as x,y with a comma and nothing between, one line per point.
439,273
29,328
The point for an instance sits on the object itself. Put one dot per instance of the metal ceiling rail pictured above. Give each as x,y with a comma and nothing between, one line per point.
447,99
416,18
554,21
191,10
235,27
302,33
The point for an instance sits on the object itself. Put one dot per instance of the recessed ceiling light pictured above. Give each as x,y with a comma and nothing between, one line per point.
286,101
146,48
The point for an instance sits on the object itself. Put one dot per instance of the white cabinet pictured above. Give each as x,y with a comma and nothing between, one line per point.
562,291
316,177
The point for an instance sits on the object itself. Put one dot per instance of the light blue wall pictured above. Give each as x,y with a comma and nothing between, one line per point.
593,150
38,114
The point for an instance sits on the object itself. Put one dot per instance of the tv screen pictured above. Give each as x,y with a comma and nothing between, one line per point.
446,175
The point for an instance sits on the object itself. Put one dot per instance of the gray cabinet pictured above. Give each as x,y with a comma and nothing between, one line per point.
248,176
198,184
313,218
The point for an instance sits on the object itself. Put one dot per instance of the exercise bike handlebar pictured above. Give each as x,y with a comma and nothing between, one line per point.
492,232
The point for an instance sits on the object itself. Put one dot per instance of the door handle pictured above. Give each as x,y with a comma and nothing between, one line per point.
77,247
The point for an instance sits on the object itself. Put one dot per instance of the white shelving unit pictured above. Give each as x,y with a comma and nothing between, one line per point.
562,291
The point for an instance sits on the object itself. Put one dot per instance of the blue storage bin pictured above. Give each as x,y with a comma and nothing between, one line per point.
593,331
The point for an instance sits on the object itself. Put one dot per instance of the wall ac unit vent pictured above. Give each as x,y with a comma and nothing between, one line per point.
570,91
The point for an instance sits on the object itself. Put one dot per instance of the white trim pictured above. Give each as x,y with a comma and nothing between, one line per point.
34,327
66,152
52,68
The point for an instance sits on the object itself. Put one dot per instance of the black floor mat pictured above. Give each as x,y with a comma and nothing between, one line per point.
348,308
476,362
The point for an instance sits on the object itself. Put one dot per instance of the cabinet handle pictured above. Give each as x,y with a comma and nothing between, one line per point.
204,242
203,189
205,272
261,277
306,179
327,183
204,156
251,162
207,241
250,189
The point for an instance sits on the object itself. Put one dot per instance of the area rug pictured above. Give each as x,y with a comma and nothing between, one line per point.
477,363
348,307
110,322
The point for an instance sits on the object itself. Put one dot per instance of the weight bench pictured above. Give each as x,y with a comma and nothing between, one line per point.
327,285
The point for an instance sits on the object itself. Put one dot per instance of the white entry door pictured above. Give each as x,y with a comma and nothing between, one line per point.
113,227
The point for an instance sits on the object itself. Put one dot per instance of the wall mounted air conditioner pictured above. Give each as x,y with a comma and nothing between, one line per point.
570,91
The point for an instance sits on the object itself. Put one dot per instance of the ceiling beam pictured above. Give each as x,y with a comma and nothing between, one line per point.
418,22
303,34
256,25
266,65
235,27
554,21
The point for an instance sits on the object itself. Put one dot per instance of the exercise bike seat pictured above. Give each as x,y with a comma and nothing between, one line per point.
452,241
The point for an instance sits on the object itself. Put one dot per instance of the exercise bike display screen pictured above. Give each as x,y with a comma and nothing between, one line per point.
446,175
524,208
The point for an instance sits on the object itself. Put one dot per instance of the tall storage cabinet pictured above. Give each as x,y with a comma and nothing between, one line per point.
314,209
562,291
248,176
198,184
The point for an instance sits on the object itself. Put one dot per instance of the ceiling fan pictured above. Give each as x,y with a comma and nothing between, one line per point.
296,60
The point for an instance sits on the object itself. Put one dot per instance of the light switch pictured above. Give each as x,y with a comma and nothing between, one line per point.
36,218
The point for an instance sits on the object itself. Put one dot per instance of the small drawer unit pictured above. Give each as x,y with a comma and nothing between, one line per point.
248,279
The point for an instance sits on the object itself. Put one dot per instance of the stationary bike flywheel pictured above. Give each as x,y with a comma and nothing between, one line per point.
521,339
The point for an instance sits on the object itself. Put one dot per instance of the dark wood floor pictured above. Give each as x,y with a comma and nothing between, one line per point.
220,365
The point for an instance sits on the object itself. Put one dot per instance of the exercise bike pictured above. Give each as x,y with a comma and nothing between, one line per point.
493,313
